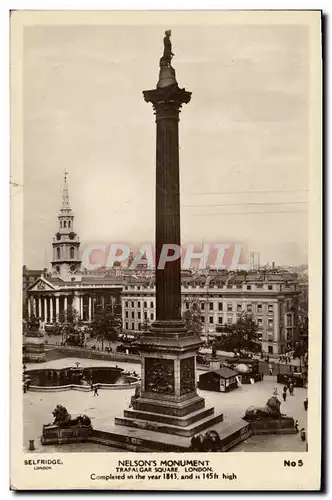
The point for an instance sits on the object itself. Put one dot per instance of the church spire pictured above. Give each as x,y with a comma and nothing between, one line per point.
65,207
66,262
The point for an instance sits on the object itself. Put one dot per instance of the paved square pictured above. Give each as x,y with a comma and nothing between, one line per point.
102,409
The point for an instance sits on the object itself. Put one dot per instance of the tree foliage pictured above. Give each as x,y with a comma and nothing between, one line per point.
192,318
105,325
242,335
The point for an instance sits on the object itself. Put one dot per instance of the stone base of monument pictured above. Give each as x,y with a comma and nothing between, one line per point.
53,434
146,440
187,425
284,425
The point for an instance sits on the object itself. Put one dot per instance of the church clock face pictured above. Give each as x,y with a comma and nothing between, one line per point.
73,268
58,236
71,235
57,269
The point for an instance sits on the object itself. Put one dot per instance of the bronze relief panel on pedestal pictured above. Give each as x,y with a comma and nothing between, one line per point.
187,375
159,375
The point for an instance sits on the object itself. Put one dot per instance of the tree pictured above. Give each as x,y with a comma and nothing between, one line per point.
192,318
105,325
145,325
68,325
243,335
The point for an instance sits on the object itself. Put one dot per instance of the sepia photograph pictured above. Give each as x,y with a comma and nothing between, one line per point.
164,245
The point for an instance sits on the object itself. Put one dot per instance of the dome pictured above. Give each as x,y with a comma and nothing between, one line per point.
242,368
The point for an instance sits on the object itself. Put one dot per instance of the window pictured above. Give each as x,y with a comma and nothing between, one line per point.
126,314
61,223
202,306
211,319
132,304
229,320
151,305
249,307
239,307
69,223
64,223
220,320
270,323
139,315
229,307
145,315
259,308
145,304
58,253
133,315
220,306
248,287
151,316
270,308
138,288
211,306
126,326
72,252
187,305
126,303
270,287
270,349
259,322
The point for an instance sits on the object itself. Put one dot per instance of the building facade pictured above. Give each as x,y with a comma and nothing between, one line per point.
271,299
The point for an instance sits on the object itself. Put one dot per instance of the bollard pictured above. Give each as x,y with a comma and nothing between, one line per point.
31,444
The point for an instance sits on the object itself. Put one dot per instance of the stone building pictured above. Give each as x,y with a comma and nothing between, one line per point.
271,297
66,286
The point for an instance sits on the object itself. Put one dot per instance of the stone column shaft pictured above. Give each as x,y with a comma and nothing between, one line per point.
90,308
167,101
45,309
57,308
51,309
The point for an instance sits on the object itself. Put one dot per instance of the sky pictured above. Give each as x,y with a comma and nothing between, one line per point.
243,136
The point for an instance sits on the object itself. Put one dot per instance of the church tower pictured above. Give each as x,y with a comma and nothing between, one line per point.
66,263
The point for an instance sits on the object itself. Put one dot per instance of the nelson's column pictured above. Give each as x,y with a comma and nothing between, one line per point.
168,401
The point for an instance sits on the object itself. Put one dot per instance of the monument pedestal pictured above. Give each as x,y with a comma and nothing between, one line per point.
169,402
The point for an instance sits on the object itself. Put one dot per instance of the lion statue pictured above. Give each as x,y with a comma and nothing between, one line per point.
270,410
63,419
210,441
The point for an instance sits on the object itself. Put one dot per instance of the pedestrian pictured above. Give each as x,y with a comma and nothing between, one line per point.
275,391
297,425
305,404
303,436
285,388
95,391
291,389
284,395
267,359
271,371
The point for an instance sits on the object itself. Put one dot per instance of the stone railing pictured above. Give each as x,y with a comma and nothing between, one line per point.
82,388
82,352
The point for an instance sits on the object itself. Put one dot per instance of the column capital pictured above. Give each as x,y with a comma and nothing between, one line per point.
167,99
